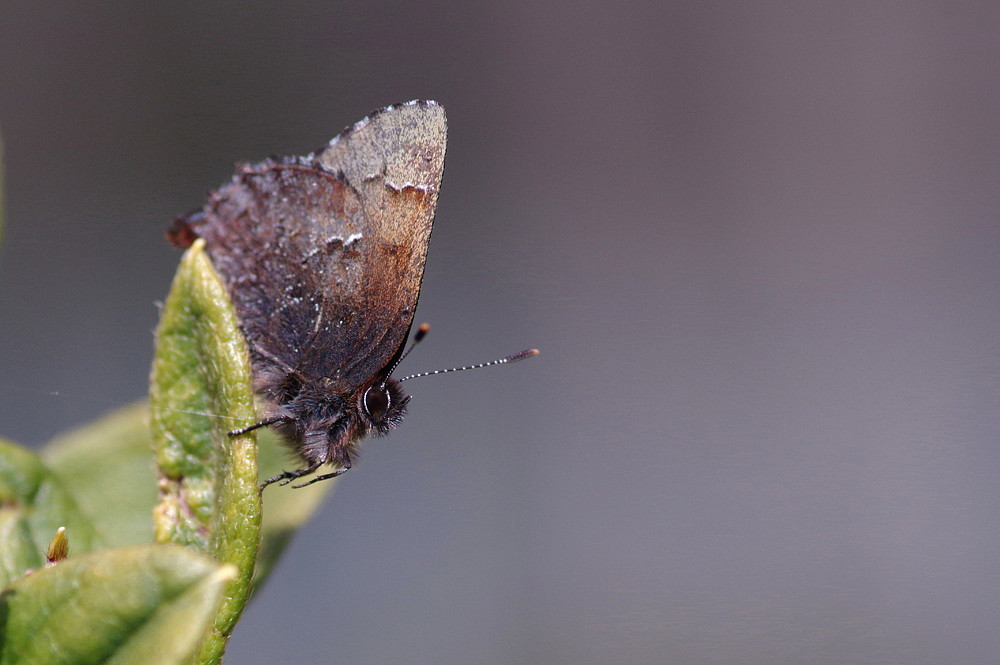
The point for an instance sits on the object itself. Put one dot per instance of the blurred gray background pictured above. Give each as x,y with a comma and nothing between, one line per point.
757,244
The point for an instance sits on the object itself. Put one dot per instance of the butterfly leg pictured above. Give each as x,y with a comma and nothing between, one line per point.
263,423
344,466
286,477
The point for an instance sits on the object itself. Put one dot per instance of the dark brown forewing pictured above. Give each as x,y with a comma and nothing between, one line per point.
323,257
394,160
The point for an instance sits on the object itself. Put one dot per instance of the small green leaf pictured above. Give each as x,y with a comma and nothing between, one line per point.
33,505
201,389
108,467
146,605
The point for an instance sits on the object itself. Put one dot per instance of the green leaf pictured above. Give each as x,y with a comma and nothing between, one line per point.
146,605
33,505
200,390
108,467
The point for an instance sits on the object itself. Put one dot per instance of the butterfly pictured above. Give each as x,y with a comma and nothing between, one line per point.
322,257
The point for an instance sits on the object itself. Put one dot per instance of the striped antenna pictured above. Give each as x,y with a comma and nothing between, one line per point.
520,355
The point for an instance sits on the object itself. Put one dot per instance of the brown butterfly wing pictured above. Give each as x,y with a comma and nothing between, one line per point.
323,256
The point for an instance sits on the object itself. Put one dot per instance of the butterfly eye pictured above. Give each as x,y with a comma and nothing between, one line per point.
376,402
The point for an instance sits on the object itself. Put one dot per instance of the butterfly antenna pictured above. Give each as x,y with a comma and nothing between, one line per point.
422,331
513,358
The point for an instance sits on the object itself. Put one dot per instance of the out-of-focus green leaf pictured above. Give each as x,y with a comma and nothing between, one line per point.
147,605
108,468
200,390
33,505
